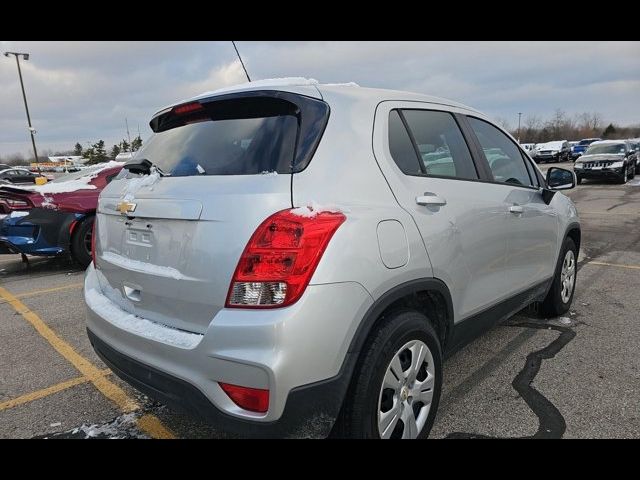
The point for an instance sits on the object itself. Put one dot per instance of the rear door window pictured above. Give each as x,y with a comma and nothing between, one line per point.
438,143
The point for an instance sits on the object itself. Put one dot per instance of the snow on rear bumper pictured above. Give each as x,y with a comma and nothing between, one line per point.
276,349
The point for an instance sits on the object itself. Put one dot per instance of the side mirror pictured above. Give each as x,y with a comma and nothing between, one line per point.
560,179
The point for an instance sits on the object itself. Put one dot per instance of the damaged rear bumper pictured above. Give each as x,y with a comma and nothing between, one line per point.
42,231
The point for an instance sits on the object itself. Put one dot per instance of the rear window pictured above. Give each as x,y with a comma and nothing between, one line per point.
245,135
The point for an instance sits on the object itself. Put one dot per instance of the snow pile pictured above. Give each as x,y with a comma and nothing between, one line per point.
121,427
16,214
78,183
131,323
314,209
348,84
143,267
133,185
64,187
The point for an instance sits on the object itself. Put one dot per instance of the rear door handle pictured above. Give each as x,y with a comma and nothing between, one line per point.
516,209
430,199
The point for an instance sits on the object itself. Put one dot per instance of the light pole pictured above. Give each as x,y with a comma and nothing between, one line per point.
32,130
519,115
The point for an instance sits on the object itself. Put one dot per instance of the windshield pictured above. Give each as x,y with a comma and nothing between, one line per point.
586,142
610,148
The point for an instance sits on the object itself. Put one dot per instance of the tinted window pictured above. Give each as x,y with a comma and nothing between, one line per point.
442,147
604,148
505,160
237,146
401,147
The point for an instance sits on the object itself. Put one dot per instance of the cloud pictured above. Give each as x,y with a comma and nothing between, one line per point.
83,91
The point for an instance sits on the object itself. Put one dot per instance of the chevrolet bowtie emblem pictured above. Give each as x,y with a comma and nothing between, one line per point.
126,207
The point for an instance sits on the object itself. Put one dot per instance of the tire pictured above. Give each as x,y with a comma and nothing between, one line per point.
625,175
400,336
80,249
633,172
578,180
558,300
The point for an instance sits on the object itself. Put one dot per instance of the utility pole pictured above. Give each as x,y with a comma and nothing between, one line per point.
32,130
519,115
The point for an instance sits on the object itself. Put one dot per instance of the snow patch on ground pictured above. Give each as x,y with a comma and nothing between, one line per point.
121,427
270,174
133,185
314,209
143,267
131,323
17,214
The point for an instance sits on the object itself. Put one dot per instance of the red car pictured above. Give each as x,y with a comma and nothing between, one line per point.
55,218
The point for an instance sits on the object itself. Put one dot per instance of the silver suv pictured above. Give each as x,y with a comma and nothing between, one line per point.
296,259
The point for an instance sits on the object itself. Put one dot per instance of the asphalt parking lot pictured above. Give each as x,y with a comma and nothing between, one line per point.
574,377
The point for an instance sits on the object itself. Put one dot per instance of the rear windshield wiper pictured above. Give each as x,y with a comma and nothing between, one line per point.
142,166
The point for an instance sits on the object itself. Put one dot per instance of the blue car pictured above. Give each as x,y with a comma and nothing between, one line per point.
582,146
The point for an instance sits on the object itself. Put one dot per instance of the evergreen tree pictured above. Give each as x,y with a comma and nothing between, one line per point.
609,132
136,143
77,150
115,150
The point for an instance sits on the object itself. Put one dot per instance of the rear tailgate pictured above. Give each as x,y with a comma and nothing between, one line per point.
173,261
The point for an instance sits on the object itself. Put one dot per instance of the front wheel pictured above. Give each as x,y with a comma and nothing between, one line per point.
81,242
560,295
578,180
396,388
625,175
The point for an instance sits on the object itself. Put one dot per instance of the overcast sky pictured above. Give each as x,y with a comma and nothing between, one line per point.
83,91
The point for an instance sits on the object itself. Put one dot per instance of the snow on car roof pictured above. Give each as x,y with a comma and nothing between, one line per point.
602,142
350,88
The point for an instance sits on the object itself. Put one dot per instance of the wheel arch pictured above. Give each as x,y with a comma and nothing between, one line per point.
426,295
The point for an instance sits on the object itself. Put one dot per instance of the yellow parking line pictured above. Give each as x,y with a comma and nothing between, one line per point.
45,392
109,389
619,265
153,426
49,290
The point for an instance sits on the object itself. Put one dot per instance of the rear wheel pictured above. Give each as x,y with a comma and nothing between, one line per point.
560,295
396,388
81,242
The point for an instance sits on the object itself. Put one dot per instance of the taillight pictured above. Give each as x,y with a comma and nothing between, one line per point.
94,233
17,203
252,399
280,258
187,108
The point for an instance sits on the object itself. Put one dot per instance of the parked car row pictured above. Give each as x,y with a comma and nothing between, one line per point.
245,272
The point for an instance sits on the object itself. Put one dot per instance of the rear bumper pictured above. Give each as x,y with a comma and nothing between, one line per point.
310,410
298,353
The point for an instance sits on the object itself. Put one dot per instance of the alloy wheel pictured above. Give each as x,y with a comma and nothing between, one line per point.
406,392
567,276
